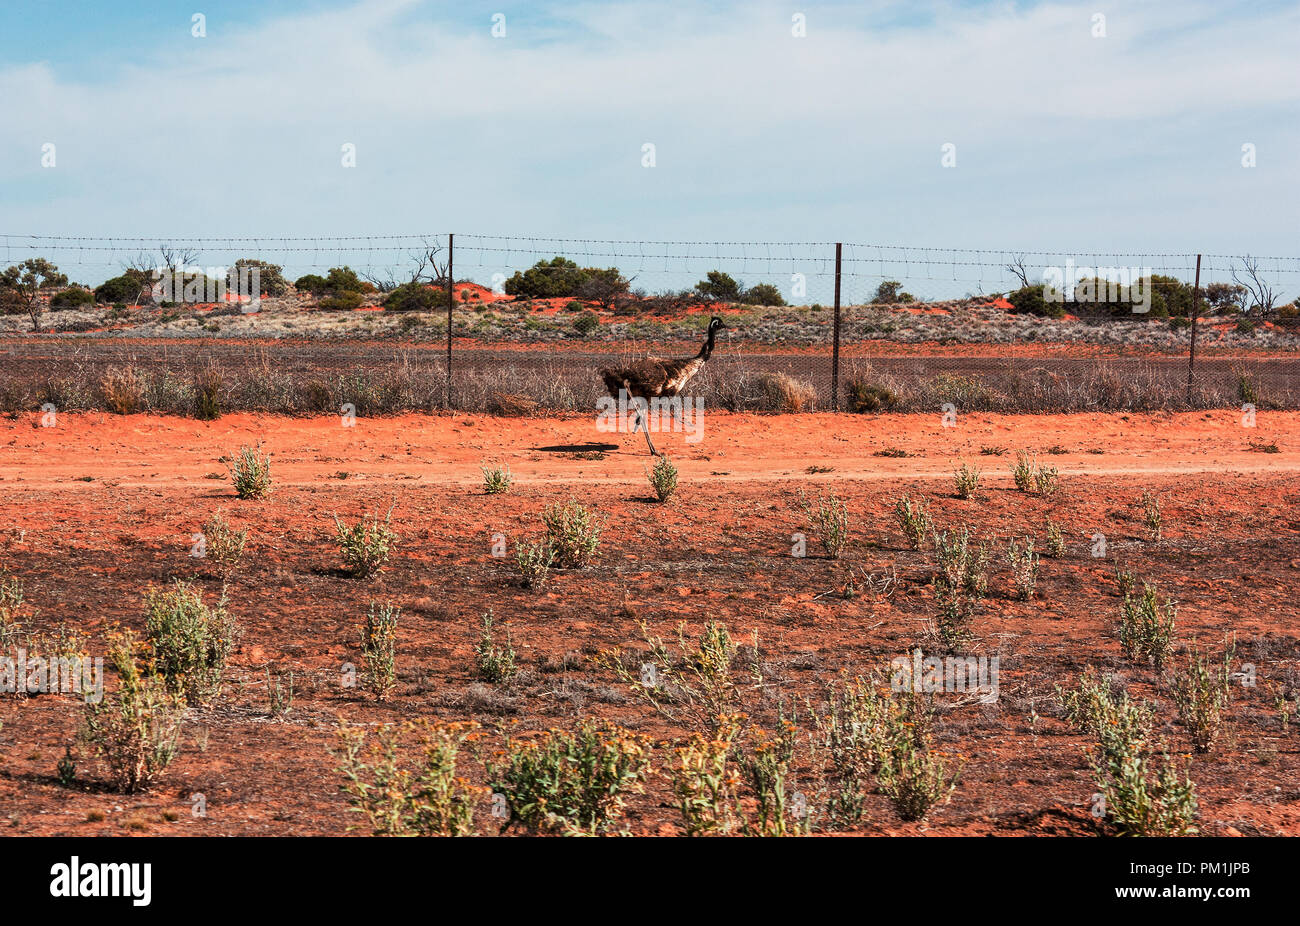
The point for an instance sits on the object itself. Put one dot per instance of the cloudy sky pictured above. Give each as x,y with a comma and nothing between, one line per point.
1064,141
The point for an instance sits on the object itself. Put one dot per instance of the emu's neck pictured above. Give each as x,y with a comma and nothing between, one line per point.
707,350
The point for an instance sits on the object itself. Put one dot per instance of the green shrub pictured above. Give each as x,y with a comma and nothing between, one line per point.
311,283
1151,515
1024,568
250,471
534,562
344,301
718,287
1146,632
207,394
134,730
365,545
125,289
967,481
496,481
913,520
379,649
494,663
572,533
663,479
72,298
223,546
586,323
191,642
429,799
570,782
1202,691
762,294
415,297
830,522
1055,540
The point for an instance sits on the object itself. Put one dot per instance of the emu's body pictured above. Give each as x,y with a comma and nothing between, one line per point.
654,378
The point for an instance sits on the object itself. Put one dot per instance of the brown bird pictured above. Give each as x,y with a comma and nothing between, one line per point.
657,378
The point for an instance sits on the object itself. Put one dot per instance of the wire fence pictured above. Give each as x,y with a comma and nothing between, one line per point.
822,325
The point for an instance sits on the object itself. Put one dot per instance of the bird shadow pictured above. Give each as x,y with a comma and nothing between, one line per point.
577,448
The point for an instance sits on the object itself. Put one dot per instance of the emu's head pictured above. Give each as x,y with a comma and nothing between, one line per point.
715,325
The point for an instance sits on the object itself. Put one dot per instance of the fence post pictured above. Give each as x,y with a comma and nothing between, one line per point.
1196,305
835,348
451,301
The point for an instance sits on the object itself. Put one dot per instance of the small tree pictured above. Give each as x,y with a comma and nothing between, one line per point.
719,287
1261,293
889,292
26,281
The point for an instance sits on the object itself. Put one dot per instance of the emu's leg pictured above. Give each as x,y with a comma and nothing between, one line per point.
640,423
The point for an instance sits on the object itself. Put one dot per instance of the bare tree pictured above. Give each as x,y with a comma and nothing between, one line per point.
1018,269
1258,290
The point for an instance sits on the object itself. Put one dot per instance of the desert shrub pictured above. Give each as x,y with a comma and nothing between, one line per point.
704,782
191,642
365,545
270,277
572,533
559,277
11,606
344,280
889,292
663,479
605,287
959,585
207,394
123,389
967,481
223,545
911,773
124,289
694,687
1124,580
311,283
1144,796
718,287
493,662
913,521
74,297
415,297
429,799
379,649
1029,476
1031,300
852,731
1146,630
586,323
1100,707
863,396
496,481
962,563
830,522
1151,515
534,559
766,767
780,392
570,781
1024,568
344,301
1055,540
134,730
250,471
1202,691
762,294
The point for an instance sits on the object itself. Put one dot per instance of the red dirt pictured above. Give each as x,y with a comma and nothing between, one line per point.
95,509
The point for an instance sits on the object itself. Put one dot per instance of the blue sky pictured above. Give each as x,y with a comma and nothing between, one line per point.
1064,142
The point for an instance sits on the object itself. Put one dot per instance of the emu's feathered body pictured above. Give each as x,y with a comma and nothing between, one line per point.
657,378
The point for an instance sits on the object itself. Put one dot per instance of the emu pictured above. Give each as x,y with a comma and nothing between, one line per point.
654,378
